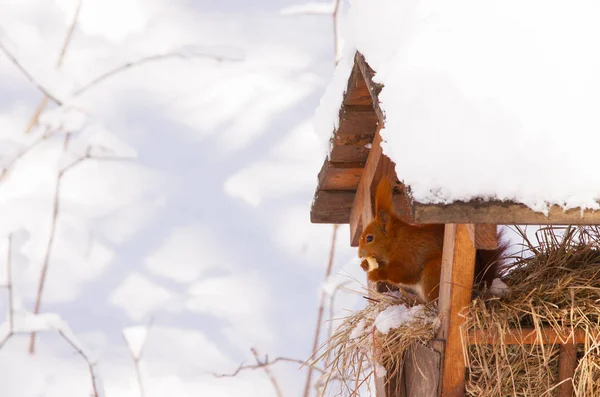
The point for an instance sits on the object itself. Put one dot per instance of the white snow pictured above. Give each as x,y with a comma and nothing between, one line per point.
187,254
326,119
139,296
136,339
358,330
499,288
380,371
313,7
395,316
493,99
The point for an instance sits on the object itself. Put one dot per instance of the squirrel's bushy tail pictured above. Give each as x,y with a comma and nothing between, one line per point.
491,264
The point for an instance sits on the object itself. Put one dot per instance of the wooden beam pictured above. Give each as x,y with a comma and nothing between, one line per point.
331,206
528,336
566,369
501,213
456,281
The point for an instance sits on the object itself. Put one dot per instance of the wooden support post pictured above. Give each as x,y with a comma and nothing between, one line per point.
458,266
566,369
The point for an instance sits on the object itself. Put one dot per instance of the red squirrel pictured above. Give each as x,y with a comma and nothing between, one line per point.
411,255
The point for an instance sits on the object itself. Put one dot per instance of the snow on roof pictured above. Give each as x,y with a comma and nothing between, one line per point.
483,99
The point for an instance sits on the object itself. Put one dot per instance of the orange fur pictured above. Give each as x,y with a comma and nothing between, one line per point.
411,255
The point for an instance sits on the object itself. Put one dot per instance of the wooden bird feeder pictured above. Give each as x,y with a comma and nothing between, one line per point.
346,186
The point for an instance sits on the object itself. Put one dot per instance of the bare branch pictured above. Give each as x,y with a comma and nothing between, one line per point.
320,312
68,36
59,62
96,388
137,356
28,75
149,59
53,222
267,370
264,363
6,169
336,33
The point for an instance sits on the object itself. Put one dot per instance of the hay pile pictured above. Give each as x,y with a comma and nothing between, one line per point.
557,286
370,343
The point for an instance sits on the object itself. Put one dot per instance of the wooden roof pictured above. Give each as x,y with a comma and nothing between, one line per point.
349,176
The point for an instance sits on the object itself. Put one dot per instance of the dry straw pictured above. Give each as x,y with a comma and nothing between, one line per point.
554,286
358,352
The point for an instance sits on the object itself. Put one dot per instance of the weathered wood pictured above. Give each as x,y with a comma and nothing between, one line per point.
357,125
357,93
331,206
349,154
528,336
341,176
502,213
421,371
456,281
486,236
566,369
374,88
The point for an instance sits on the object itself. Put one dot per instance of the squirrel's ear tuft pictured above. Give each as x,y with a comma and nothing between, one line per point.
384,219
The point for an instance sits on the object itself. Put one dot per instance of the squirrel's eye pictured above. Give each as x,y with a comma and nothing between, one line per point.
369,238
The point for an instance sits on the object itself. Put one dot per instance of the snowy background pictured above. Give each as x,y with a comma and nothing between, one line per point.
199,219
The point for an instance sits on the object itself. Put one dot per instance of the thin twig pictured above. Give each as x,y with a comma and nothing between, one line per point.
336,39
93,375
44,137
267,370
152,58
264,363
320,312
68,36
28,75
137,357
59,61
53,222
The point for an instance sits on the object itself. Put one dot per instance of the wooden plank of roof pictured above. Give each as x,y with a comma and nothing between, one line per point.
357,93
503,213
374,88
354,135
340,176
342,171
331,206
